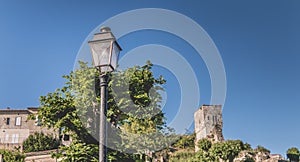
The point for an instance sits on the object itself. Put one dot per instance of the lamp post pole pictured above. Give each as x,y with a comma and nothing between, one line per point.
103,109
105,51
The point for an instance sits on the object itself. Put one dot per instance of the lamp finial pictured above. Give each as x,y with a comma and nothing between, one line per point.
104,29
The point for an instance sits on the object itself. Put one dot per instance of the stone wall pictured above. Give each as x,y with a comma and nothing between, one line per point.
41,156
259,157
209,123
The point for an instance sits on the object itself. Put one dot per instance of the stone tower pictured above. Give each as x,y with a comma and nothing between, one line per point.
209,123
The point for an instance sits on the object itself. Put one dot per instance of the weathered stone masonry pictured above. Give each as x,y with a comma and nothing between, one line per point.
209,123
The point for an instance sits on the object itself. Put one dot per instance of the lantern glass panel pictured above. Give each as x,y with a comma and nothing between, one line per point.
101,53
115,55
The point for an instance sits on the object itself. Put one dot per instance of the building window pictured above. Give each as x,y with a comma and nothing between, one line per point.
7,121
15,138
6,138
18,120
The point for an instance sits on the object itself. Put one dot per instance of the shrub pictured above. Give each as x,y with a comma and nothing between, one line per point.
40,142
183,156
293,154
12,156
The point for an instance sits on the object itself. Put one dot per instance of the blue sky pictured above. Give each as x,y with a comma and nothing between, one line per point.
257,40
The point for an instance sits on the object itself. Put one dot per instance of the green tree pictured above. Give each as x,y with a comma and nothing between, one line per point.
136,92
12,156
40,142
247,146
204,144
186,141
203,154
227,150
184,156
133,105
293,154
262,149
77,151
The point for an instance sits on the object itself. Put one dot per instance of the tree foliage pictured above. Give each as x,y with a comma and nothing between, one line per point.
133,107
293,154
204,144
186,141
184,156
227,150
40,142
79,152
262,149
12,156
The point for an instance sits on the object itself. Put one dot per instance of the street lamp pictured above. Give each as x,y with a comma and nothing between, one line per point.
105,51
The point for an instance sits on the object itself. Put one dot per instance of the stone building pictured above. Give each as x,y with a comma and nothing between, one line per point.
209,123
15,127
